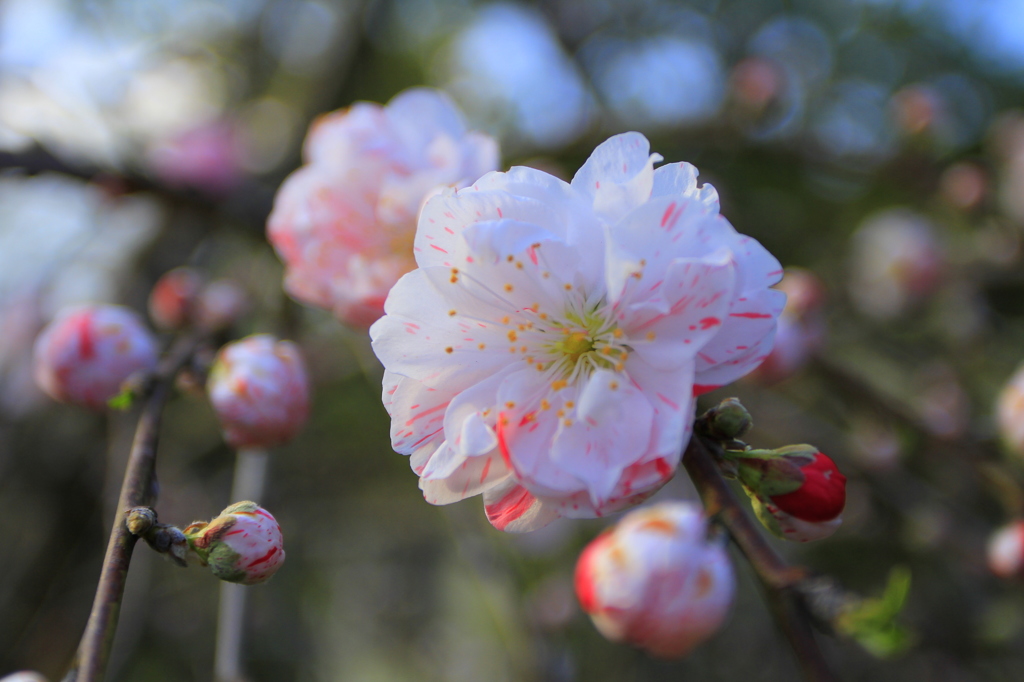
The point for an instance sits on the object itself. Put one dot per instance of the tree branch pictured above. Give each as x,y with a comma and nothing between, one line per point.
779,580
137,490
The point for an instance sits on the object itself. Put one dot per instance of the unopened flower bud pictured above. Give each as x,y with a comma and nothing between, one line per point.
86,353
173,298
798,493
242,545
259,390
1006,551
1010,413
728,420
220,304
140,520
655,581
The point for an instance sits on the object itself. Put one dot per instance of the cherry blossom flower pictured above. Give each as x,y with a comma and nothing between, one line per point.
801,327
242,545
344,222
259,390
86,353
655,581
547,351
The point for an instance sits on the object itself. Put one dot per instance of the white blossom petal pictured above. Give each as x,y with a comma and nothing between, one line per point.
618,176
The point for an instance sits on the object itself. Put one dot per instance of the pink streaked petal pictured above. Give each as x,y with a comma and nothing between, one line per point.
446,215
685,313
744,339
618,176
417,414
474,476
680,180
526,430
419,339
609,429
512,508
671,395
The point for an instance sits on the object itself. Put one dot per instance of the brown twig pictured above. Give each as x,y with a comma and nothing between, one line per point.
137,490
779,580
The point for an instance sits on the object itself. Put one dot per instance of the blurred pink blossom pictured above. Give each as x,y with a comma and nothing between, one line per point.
344,222
259,390
86,353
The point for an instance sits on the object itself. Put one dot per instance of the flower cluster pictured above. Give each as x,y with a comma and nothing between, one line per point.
242,545
548,349
86,353
655,581
344,222
259,390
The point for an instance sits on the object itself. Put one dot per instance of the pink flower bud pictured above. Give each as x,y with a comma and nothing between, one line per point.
85,354
242,545
220,304
259,390
655,581
814,510
1010,413
173,296
1006,551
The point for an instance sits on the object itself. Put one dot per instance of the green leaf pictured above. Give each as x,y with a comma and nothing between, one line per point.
873,623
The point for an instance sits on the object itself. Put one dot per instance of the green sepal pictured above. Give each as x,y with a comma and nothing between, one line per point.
122,401
772,472
873,623
766,519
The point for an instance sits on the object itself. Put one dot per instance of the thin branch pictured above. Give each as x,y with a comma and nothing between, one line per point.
137,490
779,580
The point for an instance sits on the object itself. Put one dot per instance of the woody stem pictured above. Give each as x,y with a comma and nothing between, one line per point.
138,489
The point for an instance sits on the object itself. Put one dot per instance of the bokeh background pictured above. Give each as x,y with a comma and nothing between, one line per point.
139,135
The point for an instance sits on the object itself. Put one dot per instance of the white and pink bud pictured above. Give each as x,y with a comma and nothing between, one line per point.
1005,551
812,507
85,354
242,545
656,581
1010,413
259,390
173,298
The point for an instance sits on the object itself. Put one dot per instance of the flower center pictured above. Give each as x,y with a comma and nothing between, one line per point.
584,341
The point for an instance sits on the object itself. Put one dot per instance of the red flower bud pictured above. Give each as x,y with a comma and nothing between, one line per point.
822,495
173,296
